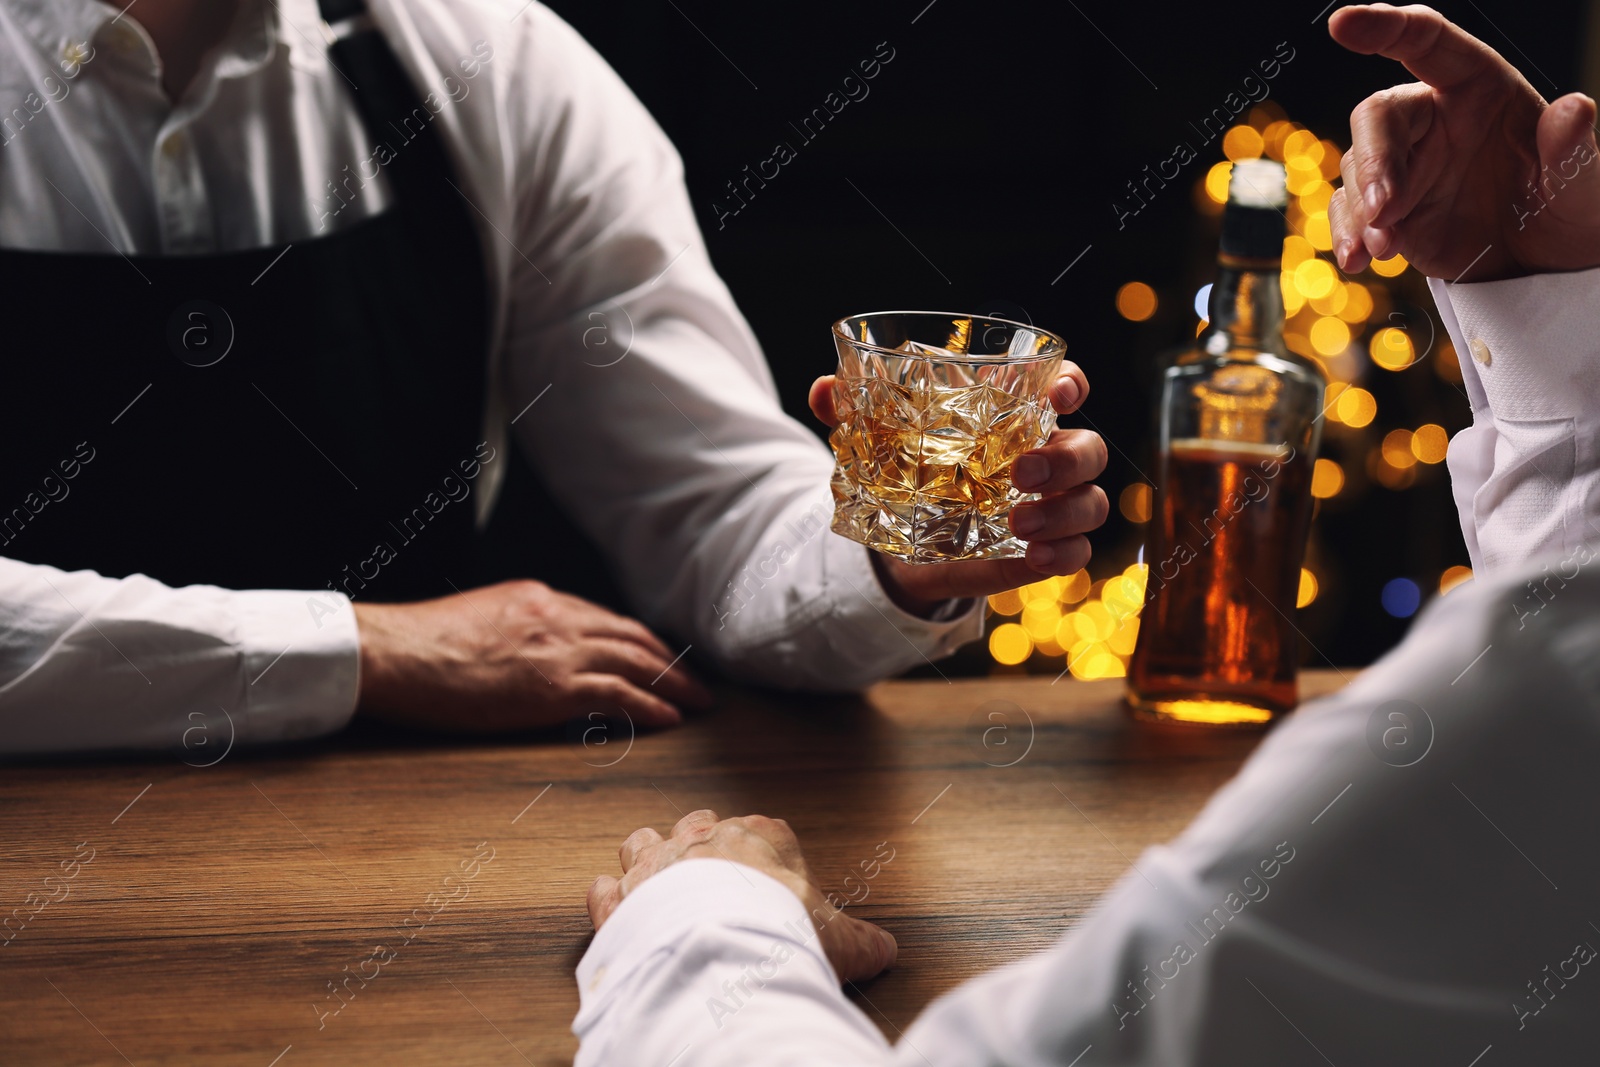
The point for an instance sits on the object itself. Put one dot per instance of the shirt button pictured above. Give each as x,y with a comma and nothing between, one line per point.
1480,352
599,976
75,53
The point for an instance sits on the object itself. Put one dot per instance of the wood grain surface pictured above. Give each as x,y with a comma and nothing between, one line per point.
180,914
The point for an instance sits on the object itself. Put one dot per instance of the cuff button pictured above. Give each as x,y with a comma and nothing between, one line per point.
1480,352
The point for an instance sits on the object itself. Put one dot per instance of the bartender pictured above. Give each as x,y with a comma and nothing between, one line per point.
288,281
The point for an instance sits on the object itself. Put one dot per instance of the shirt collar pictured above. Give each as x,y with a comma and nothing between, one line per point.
62,26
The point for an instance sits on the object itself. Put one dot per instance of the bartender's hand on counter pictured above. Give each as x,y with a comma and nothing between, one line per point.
514,656
1053,526
1468,173
857,949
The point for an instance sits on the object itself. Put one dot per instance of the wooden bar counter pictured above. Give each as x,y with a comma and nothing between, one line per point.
375,897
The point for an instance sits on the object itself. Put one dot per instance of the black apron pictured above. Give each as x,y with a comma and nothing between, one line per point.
306,418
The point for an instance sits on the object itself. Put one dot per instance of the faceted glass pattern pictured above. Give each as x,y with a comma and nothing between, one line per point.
933,408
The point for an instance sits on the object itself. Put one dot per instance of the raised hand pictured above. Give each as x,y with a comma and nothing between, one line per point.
1468,173
1053,526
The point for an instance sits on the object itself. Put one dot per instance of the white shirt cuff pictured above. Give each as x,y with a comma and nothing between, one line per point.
300,654
1531,344
688,894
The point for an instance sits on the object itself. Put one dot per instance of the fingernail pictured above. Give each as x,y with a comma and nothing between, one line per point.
1040,554
891,947
1030,472
1376,196
1025,521
1067,387
1343,254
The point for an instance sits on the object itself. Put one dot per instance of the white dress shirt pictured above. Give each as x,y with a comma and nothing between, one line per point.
619,364
1402,873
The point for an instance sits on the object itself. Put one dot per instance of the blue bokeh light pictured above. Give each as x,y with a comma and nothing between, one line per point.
1401,597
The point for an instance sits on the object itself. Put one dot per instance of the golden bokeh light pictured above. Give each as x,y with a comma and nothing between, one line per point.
1392,267
1445,363
1134,503
1296,250
1358,303
1318,231
1430,443
1308,589
1274,136
1010,644
1316,198
1391,348
1217,182
1074,587
1036,592
1452,577
1327,478
1356,407
1007,603
1331,154
1127,635
1397,449
1242,142
1122,597
1387,474
1314,278
1302,144
1039,619
1329,336
1334,302
1330,400
1136,301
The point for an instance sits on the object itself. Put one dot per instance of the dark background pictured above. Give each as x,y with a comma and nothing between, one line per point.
986,158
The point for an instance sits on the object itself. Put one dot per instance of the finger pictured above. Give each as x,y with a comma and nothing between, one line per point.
635,843
610,694
599,622
672,682
821,400
1069,458
695,822
603,898
1063,556
1070,390
1077,511
1431,47
858,949
1383,129
1350,250
1565,137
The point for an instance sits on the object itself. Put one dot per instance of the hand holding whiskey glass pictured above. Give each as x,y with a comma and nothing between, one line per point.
933,409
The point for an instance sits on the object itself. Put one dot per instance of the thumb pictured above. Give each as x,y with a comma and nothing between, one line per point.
1566,142
821,400
858,949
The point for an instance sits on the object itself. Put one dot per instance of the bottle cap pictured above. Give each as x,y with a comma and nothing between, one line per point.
1253,223
1258,183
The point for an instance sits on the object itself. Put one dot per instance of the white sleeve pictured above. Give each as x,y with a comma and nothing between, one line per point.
1525,473
714,964
654,419
95,663
1390,879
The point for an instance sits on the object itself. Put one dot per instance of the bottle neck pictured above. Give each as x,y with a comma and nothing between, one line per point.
1246,308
